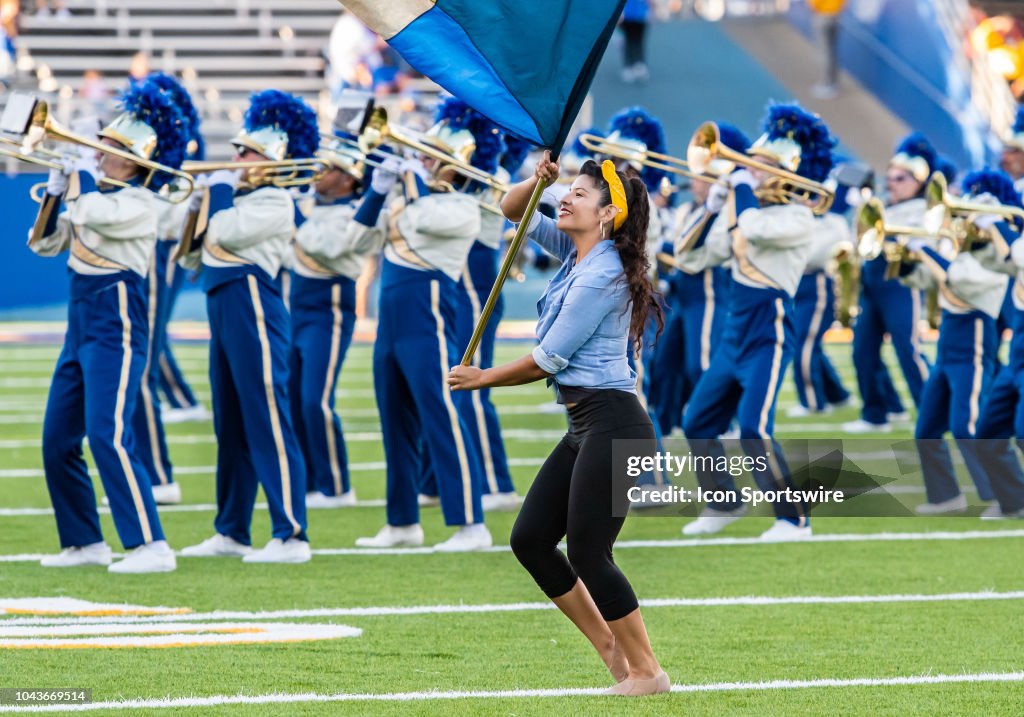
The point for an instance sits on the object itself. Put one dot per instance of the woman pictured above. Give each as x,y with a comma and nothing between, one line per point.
599,300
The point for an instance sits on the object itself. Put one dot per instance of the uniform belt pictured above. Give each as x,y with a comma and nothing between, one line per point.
313,265
86,255
222,254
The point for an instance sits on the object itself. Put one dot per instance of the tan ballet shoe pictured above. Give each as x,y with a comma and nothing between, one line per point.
638,688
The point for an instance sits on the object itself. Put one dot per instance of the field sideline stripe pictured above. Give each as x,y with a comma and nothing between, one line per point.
284,698
679,543
397,611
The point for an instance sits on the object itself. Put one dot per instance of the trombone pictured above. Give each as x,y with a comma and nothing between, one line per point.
29,118
279,173
377,131
655,160
944,207
786,187
872,231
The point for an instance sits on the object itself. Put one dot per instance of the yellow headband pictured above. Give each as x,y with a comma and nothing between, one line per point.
617,191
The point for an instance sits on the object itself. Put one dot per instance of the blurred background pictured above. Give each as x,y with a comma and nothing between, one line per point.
872,68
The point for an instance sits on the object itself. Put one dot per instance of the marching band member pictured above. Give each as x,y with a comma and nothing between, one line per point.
250,226
702,298
769,245
971,297
148,423
889,307
598,302
110,233
335,236
818,386
1002,413
426,428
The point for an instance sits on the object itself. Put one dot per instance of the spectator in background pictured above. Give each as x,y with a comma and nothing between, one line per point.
634,27
826,16
43,9
351,42
95,92
139,69
9,10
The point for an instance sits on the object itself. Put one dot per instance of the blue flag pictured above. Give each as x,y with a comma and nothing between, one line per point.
525,64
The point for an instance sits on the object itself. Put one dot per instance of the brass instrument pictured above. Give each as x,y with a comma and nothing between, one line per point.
655,160
277,173
29,118
872,231
784,187
377,131
944,210
844,267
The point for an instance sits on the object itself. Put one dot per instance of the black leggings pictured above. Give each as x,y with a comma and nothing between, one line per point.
633,49
572,497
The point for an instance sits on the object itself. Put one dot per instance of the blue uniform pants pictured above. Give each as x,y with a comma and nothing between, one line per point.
477,279
323,322
951,401
743,381
151,441
93,393
173,386
817,381
886,306
417,343
257,445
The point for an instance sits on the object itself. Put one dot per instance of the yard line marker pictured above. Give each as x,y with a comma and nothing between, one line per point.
434,695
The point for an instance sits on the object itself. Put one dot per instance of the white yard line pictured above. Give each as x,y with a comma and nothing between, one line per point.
13,624
434,695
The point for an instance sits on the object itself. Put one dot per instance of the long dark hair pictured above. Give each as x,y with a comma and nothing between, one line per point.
631,242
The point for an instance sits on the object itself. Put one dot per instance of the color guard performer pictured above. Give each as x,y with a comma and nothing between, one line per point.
889,307
337,231
769,244
111,233
251,224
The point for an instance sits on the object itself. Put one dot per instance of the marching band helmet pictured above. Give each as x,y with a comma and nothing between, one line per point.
797,140
279,126
995,183
635,127
343,155
916,155
466,134
196,149
151,127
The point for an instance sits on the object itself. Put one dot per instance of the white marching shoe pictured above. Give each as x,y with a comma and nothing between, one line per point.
711,521
901,417
466,539
783,532
93,554
155,557
427,501
944,507
169,494
197,412
292,550
862,426
501,502
394,536
800,411
316,499
219,546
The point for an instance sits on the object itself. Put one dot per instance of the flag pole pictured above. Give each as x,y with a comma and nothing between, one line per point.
503,272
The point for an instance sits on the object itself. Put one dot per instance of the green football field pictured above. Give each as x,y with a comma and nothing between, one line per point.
873,616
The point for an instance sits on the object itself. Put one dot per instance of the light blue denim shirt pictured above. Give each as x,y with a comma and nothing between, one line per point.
584,315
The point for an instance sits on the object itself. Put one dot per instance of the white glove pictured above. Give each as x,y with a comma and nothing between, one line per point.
56,183
416,167
385,176
917,244
80,163
855,197
229,177
743,176
987,221
717,195
196,198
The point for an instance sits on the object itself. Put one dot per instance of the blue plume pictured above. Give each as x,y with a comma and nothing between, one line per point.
291,114
149,104
516,151
733,137
994,182
638,124
809,131
916,144
180,97
947,168
1018,120
489,138
577,147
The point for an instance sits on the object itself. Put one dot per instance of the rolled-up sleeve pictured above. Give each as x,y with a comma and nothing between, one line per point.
582,311
545,232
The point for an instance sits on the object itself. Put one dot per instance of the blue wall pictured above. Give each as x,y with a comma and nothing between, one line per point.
898,51
26,279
